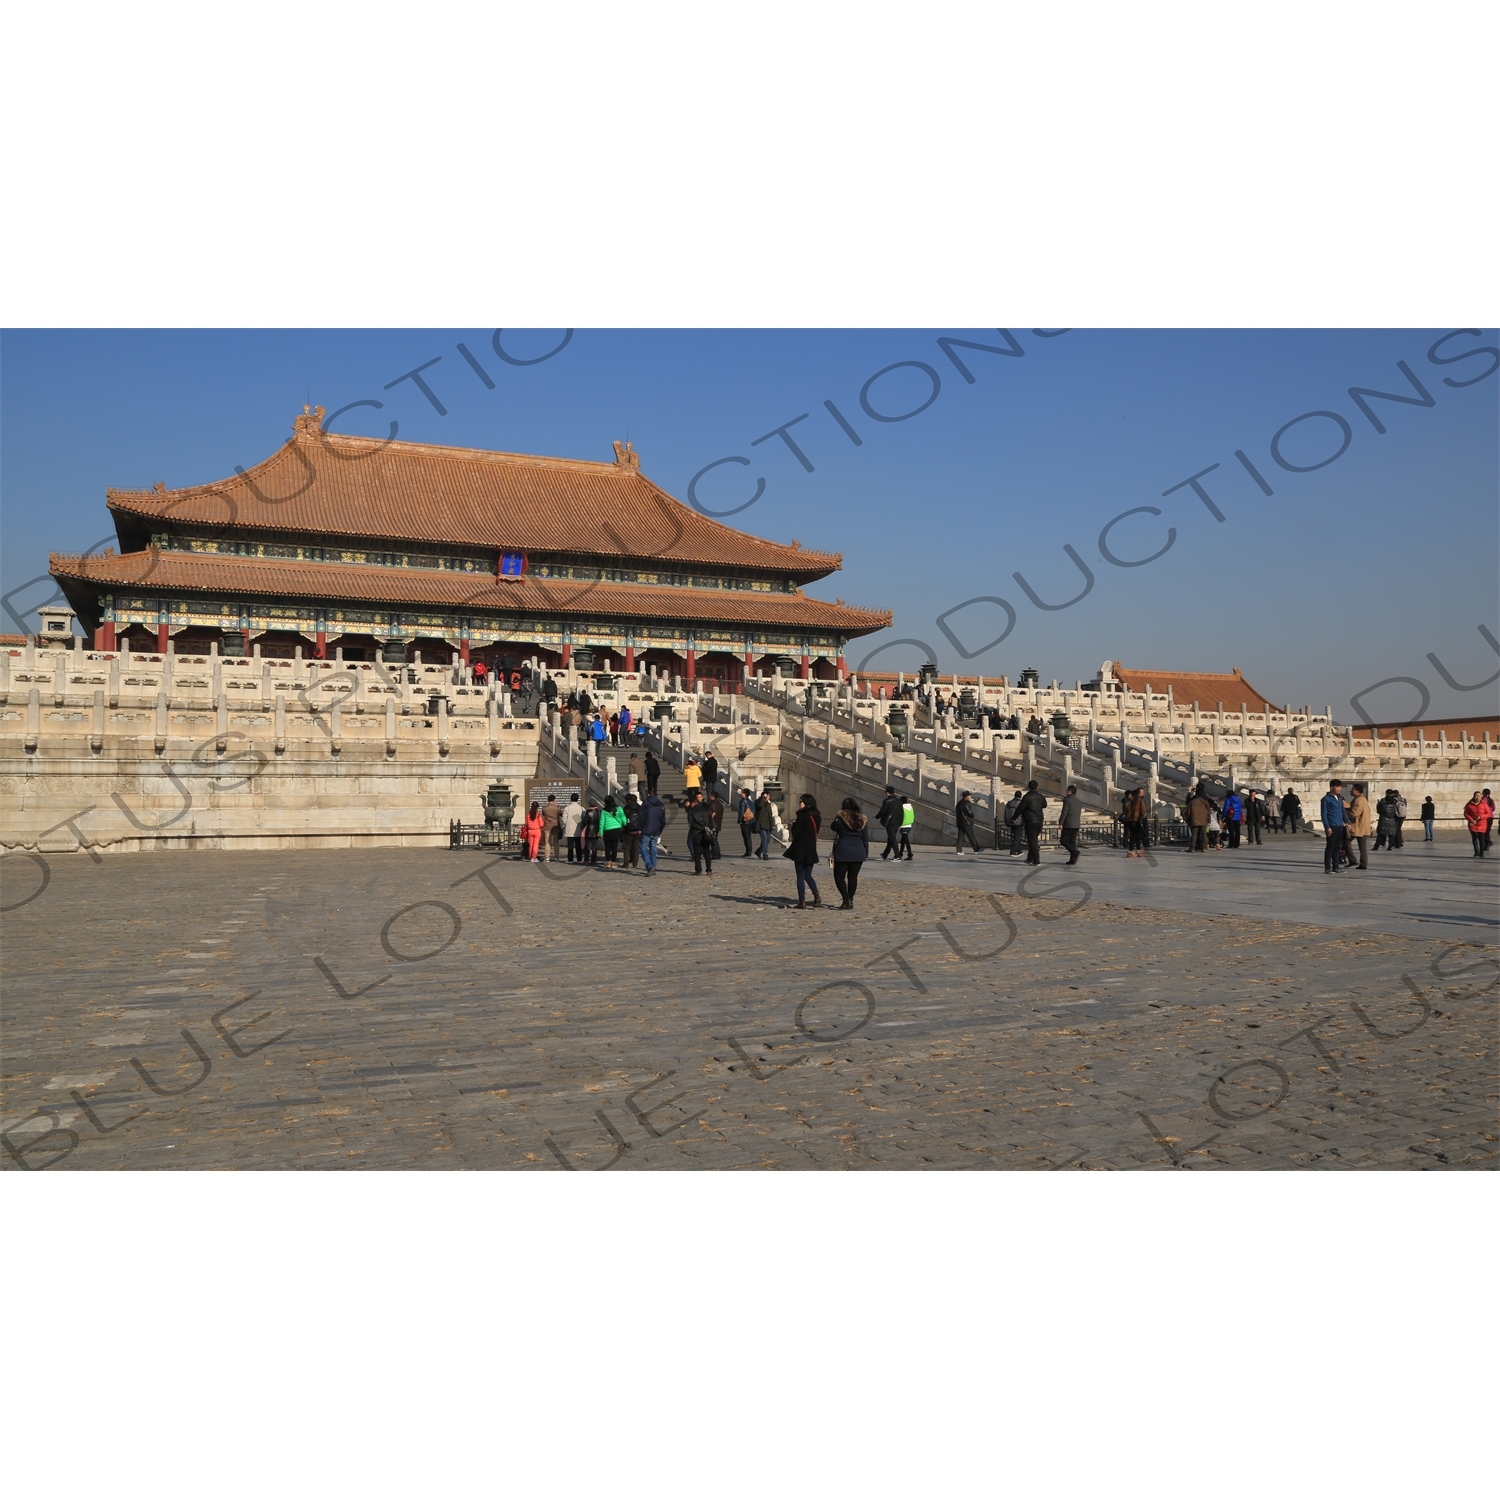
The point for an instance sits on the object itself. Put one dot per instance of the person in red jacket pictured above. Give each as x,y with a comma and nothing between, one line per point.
1477,816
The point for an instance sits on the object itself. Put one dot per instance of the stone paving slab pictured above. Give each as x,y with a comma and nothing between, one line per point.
440,1009
1422,890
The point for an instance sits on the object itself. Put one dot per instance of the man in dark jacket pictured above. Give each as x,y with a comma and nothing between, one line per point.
1291,811
889,818
549,689
1070,820
716,817
653,773
1011,813
1032,810
653,821
963,817
1255,811
700,832
710,773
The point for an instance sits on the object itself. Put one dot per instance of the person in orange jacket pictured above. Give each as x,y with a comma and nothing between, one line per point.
531,831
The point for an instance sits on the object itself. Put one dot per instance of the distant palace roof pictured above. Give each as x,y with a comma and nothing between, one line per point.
324,484
1206,689
253,577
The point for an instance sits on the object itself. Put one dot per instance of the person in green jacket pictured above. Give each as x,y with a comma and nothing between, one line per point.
611,825
908,822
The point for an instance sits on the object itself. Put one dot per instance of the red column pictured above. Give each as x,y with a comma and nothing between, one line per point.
567,655
162,632
104,637
692,667
320,650
630,658
805,665
840,665
463,652
245,636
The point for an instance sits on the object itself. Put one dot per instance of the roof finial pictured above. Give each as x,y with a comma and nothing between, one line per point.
625,456
310,422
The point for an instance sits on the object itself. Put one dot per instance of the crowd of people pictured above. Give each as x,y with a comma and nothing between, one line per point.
627,830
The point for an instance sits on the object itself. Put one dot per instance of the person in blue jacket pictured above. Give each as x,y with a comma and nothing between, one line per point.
1331,811
1232,816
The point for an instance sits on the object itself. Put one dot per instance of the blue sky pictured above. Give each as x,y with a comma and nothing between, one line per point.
1347,574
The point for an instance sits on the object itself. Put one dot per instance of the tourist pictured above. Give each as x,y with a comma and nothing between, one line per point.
765,822
1385,823
598,733
624,718
585,703
1198,810
1332,811
700,832
1477,817
851,848
692,775
1271,811
1032,810
1012,815
590,832
532,831
572,820
653,773
1069,821
802,850
744,816
1233,811
908,822
889,818
611,822
716,816
963,818
710,773
1255,811
549,689
1489,803
551,827
1215,826
1429,818
614,730
653,822
480,673
1398,817
632,830
1291,811
1133,816
1359,825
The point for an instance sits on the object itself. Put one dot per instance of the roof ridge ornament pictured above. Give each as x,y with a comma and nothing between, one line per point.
310,423
625,456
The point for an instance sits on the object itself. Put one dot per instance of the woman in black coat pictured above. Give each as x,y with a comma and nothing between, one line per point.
802,850
851,848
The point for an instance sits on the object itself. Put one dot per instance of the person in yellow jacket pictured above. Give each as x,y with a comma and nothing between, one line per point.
1359,825
908,822
692,775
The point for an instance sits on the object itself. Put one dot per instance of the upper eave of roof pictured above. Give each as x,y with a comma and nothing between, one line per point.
326,484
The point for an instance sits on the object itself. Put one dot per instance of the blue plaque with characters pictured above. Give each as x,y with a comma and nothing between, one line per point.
512,564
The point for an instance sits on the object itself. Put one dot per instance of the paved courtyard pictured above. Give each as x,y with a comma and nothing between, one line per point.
437,1009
